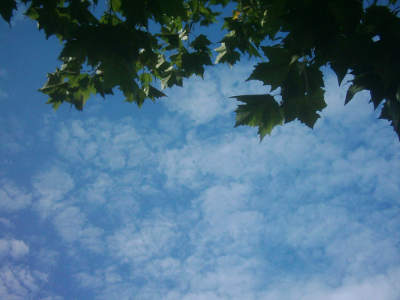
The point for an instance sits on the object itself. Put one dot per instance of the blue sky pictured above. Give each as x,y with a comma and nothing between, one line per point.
171,202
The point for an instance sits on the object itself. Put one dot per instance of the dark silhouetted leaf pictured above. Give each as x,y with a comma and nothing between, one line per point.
353,89
6,9
260,111
391,112
129,45
304,108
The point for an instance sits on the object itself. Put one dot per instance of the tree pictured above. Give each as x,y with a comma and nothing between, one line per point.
131,45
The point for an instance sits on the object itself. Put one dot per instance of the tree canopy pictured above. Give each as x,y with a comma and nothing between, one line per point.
136,46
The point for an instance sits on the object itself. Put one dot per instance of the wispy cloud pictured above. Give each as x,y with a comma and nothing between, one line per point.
13,248
51,186
185,207
18,283
12,197
72,225
204,100
147,240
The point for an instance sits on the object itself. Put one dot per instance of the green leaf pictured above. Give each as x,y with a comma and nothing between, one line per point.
260,111
153,93
353,89
221,52
270,73
193,63
127,44
391,112
172,39
200,43
146,78
277,54
274,72
115,4
6,9
226,55
340,70
164,80
133,93
304,108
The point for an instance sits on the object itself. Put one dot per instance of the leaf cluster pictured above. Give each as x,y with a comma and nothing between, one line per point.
135,45
350,37
119,48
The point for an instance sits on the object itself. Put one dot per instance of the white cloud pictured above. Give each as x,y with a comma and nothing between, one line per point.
69,223
105,145
52,298
239,281
220,201
73,226
149,239
382,286
335,237
323,156
14,248
47,258
13,139
204,100
12,197
6,223
100,278
200,101
260,211
19,283
229,221
87,280
303,215
228,277
96,191
232,156
52,186
164,268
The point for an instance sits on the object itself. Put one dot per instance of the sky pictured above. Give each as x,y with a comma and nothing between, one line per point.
170,201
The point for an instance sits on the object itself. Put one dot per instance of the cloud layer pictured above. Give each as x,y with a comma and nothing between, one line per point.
183,206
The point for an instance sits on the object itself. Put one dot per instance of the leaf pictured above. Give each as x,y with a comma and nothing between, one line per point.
200,43
340,70
164,81
226,55
172,39
221,52
115,4
275,71
133,93
145,78
6,9
127,44
260,111
353,89
391,112
304,108
153,93
193,63
277,54
270,73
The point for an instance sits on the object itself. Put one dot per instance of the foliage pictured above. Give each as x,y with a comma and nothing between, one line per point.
131,45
